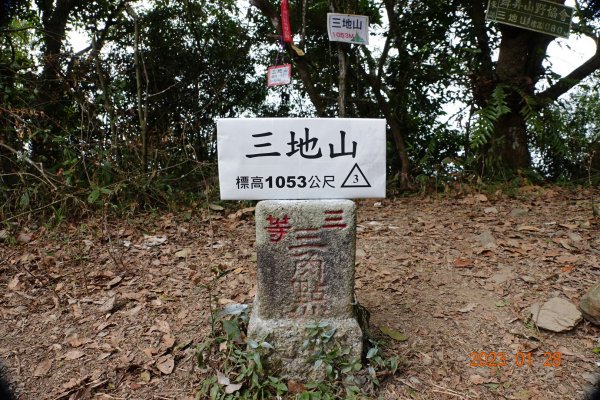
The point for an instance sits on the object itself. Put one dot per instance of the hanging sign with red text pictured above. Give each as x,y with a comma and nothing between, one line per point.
348,28
279,75
303,158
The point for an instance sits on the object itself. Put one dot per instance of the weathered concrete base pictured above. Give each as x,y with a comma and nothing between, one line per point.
305,276
287,336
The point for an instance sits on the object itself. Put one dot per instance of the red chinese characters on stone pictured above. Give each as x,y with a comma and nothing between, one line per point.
278,227
308,285
308,281
334,219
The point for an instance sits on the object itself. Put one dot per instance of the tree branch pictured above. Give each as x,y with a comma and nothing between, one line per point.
37,166
485,70
302,63
564,84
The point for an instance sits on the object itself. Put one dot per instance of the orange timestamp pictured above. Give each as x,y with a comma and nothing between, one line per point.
521,359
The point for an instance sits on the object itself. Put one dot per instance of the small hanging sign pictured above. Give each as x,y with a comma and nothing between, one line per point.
279,75
348,28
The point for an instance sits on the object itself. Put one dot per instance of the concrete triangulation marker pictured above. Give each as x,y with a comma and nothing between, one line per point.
305,273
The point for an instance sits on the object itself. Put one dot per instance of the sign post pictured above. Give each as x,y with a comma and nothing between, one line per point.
290,158
305,249
535,15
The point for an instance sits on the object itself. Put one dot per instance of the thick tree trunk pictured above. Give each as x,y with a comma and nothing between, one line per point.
518,69
513,147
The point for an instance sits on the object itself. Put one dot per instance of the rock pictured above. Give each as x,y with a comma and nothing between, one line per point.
305,272
556,315
505,274
487,240
589,304
518,212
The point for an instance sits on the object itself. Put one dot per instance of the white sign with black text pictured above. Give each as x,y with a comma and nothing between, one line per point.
301,158
348,28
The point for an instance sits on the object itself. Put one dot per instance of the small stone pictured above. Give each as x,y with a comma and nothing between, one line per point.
24,237
183,253
556,315
505,274
518,212
487,240
43,368
166,364
528,279
481,197
108,305
589,304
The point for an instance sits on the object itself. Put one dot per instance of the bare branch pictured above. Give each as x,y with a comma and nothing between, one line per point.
39,167
564,84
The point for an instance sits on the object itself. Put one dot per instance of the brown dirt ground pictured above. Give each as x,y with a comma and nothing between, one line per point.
112,309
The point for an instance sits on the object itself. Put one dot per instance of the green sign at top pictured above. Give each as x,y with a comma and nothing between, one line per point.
535,15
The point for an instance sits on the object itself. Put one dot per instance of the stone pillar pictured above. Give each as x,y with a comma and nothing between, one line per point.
305,272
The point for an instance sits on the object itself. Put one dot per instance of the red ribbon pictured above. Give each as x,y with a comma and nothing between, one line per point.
286,30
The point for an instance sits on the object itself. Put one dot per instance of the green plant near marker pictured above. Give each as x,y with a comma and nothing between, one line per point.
237,371
237,365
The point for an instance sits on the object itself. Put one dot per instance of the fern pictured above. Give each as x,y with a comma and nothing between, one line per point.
486,118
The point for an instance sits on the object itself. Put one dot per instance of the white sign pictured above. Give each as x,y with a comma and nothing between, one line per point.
296,158
348,28
279,75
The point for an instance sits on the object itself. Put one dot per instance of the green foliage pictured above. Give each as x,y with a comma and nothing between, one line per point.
76,143
239,369
73,140
243,374
567,135
487,117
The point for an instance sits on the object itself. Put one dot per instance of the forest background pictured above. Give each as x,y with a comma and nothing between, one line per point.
129,122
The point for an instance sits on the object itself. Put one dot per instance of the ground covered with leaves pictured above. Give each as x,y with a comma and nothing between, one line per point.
114,308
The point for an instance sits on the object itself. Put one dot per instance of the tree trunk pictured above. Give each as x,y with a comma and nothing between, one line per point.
142,101
513,146
519,67
396,130
51,98
375,83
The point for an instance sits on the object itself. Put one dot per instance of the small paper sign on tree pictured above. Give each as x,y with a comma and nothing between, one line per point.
279,75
